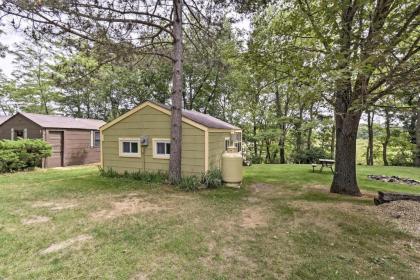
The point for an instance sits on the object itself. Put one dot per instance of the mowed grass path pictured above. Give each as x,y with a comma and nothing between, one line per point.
283,224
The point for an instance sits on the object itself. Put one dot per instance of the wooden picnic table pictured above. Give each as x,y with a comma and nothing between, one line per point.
329,163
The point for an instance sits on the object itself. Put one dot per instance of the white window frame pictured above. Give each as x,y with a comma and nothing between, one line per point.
155,141
92,138
13,131
227,139
131,140
237,143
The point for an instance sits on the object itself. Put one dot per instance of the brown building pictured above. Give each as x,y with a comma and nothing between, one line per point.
74,141
3,119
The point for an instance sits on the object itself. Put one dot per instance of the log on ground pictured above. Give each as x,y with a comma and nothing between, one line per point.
384,197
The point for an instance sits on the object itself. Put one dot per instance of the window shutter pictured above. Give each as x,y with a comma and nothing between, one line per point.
25,133
12,134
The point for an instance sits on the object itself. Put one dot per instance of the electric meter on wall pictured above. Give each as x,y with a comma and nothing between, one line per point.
144,140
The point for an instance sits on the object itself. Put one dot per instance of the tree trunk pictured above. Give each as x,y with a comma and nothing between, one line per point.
345,181
387,137
254,129
309,138
332,147
176,110
298,128
282,126
282,150
417,160
268,154
369,154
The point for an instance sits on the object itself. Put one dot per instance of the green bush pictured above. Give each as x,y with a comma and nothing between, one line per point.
22,154
212,179
401,159
309,155
143,176
189,183
109,172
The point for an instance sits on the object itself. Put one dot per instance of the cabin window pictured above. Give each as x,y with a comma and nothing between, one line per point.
95,139
238,146
18,134
227,143
161,148
237,141
129,147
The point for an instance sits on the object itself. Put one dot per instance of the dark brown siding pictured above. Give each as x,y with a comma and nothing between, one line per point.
77,149
56,140
76,143
19,123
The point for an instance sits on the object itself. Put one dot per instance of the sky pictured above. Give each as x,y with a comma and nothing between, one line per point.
11,36
8,38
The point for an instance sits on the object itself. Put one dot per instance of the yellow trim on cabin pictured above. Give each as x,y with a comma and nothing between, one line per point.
102,150
223,130
165,111
154,148
154,106
130,140
206,150
168,112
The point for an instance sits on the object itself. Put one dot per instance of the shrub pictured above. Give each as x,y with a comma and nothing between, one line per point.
189,183
22,154
143,176
309,155
109,172
212,179
401,159
150,176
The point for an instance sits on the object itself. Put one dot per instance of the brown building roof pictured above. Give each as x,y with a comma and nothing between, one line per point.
54,121
3,119
203,119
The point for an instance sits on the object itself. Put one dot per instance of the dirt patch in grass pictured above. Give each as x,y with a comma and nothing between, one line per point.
326,189
310,214
253,217
252,199
54,206
140,276
65,244
128,206
260,187
405,213
35,220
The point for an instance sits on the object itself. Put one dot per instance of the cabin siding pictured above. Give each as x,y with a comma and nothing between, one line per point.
76,146
19,122
216,148
154,124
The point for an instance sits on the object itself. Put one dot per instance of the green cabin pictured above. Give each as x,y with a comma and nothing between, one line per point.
140,140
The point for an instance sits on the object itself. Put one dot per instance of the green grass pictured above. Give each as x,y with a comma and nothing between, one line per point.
291,229
298,175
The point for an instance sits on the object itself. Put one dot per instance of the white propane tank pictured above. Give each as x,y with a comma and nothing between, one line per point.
232,167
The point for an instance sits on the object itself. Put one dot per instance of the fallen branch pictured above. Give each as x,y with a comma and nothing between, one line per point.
384,197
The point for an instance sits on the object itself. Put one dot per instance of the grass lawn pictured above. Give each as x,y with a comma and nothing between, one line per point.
72,223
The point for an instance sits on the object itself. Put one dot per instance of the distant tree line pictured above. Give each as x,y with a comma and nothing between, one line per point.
299,83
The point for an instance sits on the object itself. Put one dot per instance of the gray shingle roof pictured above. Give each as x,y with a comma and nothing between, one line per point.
54,121
203,119
3,119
